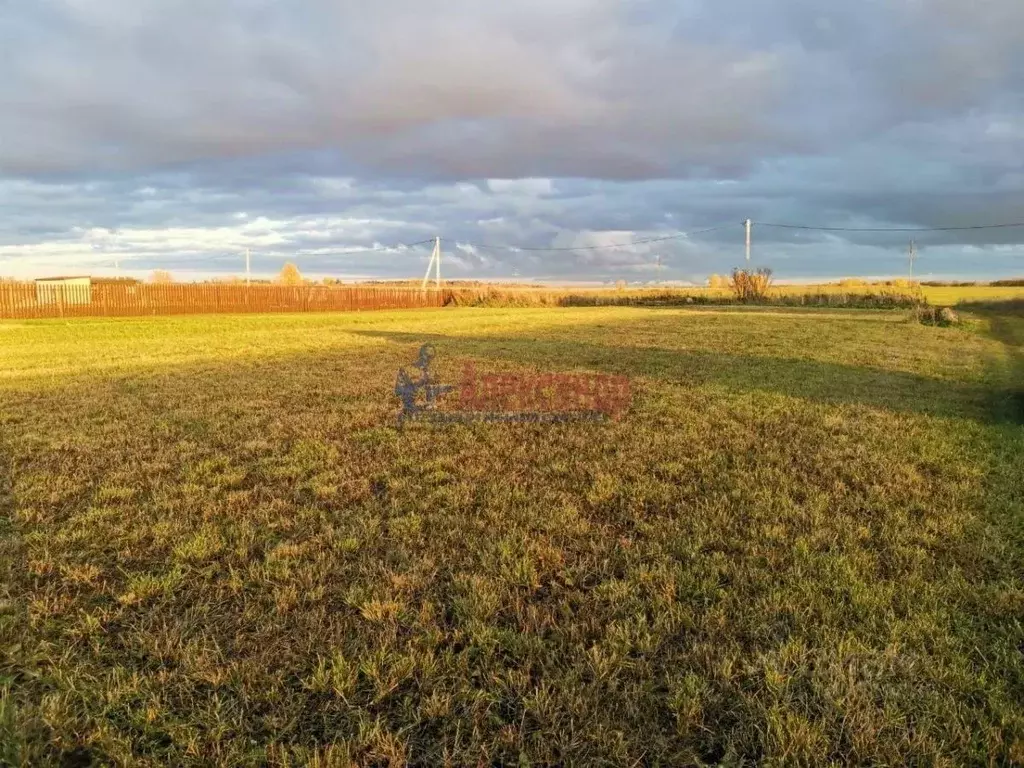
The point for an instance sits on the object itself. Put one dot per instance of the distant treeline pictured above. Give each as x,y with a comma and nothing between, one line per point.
1011,283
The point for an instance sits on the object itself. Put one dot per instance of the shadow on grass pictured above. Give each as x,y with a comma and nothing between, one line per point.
1005,325
556,349
13,618
994,306
6,505
812,380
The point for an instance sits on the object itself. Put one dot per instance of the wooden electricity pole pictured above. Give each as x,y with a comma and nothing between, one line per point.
435,259
913,256
748,223
437,262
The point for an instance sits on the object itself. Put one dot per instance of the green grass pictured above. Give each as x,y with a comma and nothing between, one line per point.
803,543
951,295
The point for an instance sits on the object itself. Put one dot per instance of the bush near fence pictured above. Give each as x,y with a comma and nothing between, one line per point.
25,300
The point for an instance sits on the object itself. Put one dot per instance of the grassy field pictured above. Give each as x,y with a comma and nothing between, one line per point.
951,295
803,543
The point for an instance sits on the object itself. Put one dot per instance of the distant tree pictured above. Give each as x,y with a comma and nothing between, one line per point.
289,275
161,277
718,283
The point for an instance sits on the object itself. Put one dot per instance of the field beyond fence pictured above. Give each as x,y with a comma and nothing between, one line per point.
33,300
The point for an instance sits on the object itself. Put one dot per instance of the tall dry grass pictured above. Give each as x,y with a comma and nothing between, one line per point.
783,296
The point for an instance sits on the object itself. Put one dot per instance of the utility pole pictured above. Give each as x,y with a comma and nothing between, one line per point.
659,267
913,255
437,250
748,223
435,259
246,266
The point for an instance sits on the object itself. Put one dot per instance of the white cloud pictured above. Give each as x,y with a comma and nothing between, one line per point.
527,187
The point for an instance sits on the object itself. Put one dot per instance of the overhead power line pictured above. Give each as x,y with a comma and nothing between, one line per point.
384,248
889,229
606,246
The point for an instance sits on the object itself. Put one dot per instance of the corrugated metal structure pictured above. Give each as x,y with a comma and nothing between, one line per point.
64,291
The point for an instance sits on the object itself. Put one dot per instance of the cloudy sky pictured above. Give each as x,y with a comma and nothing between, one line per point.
178,133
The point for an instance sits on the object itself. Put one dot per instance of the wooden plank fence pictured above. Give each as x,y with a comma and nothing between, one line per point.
28,300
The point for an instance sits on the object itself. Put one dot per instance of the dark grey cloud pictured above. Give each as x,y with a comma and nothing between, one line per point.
179,133
561,87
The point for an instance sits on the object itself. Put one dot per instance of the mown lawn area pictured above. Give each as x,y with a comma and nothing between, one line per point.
804,543
952,295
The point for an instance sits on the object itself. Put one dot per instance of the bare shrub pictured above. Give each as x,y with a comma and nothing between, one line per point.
944,317
751,286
